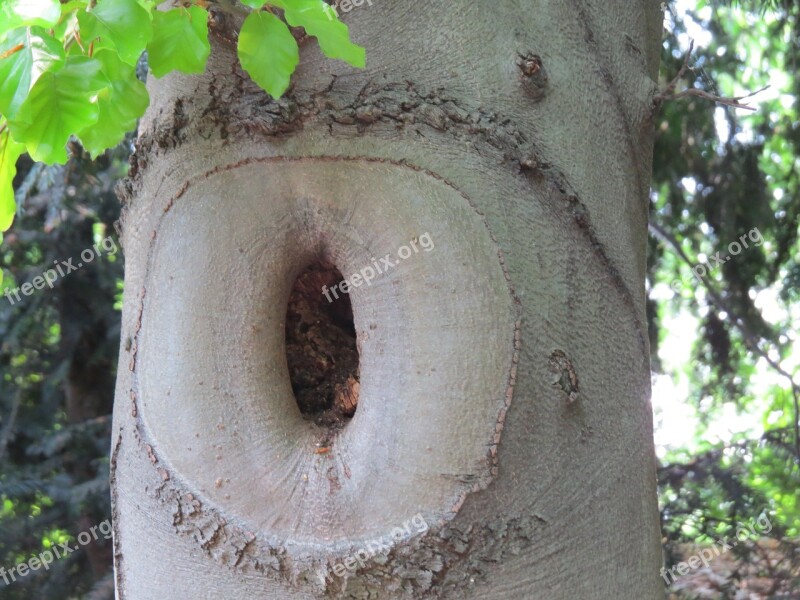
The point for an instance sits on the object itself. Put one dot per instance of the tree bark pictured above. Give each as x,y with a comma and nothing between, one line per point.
502,442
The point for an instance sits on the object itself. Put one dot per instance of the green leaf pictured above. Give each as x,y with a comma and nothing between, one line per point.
31,52
254,3
19,13
67,7
125,23
268,51
9,153
60,104
180,41
120,105
319,20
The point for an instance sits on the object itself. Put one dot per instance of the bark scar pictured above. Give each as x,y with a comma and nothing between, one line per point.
566,379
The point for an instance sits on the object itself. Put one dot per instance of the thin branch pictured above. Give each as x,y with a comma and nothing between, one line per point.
11,51
732,101
673,84
667,92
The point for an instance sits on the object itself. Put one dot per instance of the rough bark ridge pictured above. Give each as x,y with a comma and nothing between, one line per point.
502,445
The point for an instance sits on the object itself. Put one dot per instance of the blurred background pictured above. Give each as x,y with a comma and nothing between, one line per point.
725,355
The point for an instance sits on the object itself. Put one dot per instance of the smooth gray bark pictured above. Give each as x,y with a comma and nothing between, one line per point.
502,447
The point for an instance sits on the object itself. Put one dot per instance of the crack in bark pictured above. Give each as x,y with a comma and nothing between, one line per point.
118,571
604,69
249,113
429,566
556,187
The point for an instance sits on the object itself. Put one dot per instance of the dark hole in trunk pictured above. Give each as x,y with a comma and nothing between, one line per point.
321,347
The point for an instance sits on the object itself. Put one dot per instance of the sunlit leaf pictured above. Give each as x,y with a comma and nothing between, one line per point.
9,153
268,52
29,52
319,20
120,105
125,23
60,104
19,13
180,41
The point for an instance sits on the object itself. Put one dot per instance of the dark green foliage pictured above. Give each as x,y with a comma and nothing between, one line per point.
56,376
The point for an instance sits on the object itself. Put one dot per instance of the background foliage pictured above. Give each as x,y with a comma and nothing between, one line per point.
725,353
57,365
725,345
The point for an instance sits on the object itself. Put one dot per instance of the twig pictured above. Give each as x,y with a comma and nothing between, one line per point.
667,92
672,84
732,101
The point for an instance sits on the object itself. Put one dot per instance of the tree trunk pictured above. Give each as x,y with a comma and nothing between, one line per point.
499,153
